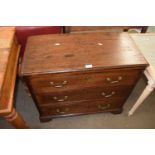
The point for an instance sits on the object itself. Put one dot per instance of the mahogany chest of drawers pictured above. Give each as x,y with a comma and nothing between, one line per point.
73,74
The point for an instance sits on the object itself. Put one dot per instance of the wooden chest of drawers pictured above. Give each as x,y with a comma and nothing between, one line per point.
72,74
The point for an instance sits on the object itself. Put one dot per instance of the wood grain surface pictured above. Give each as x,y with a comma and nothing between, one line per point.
85,107
9,53
6,39
77,80
6,42
72,52
72,74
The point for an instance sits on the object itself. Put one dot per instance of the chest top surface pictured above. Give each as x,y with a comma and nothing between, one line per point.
73,52
6,39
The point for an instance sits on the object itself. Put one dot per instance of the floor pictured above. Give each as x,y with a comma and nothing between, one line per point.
143,118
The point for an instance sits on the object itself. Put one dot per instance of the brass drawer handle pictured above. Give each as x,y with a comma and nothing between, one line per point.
62,112
109,95
59,86
114,81
60,100
103,107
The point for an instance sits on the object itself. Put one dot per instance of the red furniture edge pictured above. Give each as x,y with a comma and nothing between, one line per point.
23,32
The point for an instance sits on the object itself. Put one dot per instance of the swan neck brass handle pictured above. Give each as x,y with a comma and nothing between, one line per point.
101,107
62,112
109,95
114,81
59,86
60,100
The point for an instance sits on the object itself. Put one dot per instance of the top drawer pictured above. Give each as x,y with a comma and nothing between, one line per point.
75,80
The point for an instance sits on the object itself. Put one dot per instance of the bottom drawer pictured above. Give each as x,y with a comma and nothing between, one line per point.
80,108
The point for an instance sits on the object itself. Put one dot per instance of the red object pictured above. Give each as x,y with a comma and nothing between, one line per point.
23,32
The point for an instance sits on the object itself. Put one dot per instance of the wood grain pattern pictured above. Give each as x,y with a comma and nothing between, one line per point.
6,39
87,79
86,107
54,67
77,50
6,45
9,52
84,94
10,75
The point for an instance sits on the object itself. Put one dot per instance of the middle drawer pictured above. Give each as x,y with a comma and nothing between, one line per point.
106,93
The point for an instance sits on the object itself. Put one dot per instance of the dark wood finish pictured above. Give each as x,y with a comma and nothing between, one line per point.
9,52
45,119
118,111
85,79
83,94
85,107
77,50
144,29
77,29
54,67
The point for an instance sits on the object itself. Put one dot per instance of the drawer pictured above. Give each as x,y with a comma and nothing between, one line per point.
103,93
76,80
80,107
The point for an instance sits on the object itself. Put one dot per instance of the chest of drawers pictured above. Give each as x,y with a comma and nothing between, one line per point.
73,74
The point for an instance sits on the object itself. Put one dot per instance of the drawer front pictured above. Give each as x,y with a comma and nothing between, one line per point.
66,81
80,108
103,93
